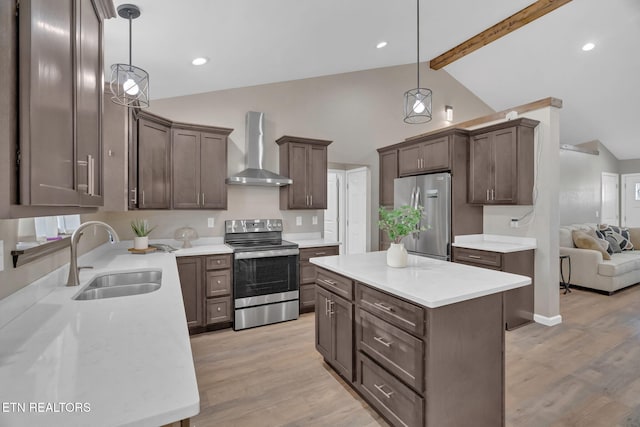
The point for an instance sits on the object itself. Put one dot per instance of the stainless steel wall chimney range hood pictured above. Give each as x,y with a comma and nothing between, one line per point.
254,174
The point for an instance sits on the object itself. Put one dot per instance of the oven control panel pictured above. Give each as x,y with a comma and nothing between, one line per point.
252,225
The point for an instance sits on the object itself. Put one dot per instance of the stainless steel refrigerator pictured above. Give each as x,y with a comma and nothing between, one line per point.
433,192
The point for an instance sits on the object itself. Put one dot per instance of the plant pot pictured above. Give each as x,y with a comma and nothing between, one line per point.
141,242
397,255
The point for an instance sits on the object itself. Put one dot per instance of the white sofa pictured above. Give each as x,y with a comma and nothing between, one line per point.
590,270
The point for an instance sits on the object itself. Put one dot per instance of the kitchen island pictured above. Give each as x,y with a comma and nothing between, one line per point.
424,345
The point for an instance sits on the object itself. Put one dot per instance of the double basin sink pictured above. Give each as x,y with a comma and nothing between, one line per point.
121,284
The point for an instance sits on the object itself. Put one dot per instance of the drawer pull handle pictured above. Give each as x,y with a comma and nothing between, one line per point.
218,261
383,342
320,253
327,281
381,390
475,256
331,312
383,306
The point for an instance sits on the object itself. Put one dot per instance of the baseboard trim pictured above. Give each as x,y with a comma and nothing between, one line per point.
547,321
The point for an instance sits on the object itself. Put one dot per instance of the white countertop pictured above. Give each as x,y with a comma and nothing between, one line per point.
128,358
309,240
201,246
425,281
495,243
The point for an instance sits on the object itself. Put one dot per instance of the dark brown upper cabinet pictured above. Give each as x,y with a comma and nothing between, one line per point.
60,102
199,168
388,172
304,160
177,165
424,157
501,164
150,163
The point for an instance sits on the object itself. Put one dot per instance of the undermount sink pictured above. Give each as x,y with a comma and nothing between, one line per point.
121,284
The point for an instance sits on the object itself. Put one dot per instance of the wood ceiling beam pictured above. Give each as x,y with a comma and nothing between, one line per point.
502,28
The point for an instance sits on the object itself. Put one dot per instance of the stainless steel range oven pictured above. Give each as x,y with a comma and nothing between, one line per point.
265,273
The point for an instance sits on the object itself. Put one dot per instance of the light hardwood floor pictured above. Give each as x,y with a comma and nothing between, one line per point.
584,372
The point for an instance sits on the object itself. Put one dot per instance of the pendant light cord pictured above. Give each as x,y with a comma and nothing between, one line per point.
418,43
130,62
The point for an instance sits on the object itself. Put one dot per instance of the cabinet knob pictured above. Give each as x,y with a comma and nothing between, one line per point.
218,308
218,282
218,261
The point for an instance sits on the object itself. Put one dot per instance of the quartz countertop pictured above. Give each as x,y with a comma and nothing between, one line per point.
201,246
309,240
425,281
125,360
495,243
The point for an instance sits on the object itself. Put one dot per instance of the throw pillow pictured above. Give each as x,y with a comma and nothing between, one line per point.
634,234
601,239
621,235
614,247
583,241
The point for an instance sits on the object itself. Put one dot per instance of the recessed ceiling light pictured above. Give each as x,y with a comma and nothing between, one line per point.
381,45
587,47
199,61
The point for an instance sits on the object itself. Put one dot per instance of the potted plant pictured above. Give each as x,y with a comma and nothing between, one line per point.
142,230
398,223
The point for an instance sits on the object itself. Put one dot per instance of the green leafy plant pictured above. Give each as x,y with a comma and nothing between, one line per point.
400,222
141,227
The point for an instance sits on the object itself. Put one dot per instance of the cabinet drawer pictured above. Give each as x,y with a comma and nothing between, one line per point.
217,261
399,352
474,256
397,402
395,311
307,253
218,283
337,284
218,310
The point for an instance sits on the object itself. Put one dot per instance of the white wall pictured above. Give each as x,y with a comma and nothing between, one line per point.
544,223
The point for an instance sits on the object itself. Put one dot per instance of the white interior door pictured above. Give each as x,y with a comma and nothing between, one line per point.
610,195
334,215
631,200
357,211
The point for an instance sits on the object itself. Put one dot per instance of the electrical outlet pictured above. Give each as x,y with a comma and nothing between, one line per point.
298,220
210,222
314,220
514,223
1,255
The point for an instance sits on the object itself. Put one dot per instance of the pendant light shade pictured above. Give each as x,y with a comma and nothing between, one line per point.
417,102
129,84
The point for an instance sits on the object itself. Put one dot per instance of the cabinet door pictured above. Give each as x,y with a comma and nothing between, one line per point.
153,165
307,297
298,172
323,323
436,155
307,272
388,172
46,103
186,169
317,181
480,169
89,104
341,312
213,171
505,166
190,274
409,159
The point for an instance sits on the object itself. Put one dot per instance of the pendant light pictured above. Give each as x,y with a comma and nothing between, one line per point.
129,84
417,102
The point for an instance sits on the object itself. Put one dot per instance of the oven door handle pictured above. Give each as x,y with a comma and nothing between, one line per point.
266,254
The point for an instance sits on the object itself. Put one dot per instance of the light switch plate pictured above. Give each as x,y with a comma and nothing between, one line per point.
314,220
298,220
210,222
1,255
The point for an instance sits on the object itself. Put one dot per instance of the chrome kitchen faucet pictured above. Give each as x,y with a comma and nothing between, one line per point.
75,238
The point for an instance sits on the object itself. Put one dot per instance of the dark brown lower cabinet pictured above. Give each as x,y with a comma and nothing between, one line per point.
206,291
334,331
308,275
518,303
416,366
190,273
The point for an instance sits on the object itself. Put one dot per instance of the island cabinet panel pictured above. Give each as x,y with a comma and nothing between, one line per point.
518,303
334,323
501,163
308,275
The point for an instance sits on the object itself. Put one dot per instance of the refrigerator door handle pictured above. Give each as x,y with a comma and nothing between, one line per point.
416,233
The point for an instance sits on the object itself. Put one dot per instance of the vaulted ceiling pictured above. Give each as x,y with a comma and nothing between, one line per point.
251,42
